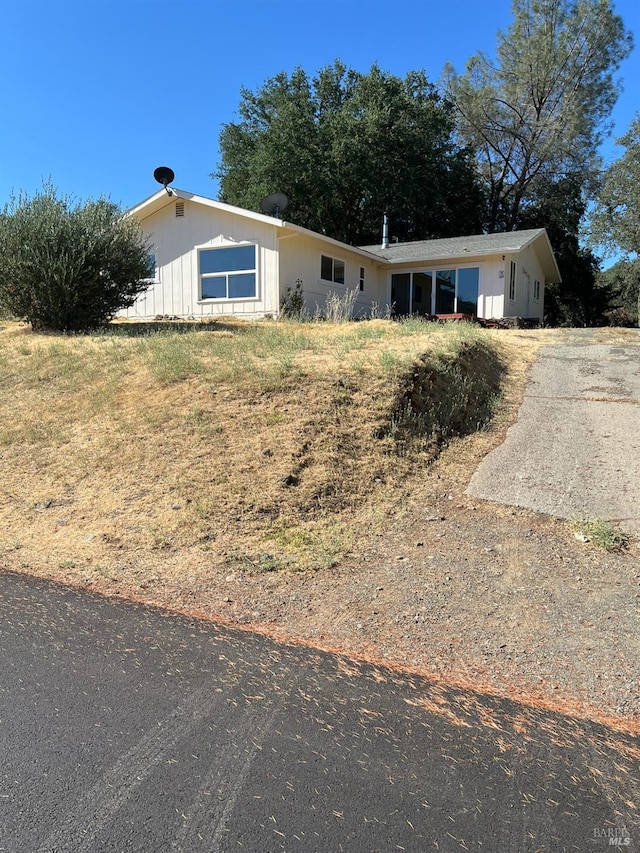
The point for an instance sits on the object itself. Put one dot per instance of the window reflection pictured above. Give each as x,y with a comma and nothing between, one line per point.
445,291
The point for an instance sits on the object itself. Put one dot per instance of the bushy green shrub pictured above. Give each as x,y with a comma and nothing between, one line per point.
66,265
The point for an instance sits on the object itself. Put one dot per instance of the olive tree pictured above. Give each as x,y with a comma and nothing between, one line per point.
67,265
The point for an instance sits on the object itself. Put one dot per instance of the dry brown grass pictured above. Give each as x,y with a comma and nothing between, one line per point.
264,446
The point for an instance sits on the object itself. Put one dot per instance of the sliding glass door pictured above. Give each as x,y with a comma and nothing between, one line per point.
422,295
445,292
467,290
426,293
401,294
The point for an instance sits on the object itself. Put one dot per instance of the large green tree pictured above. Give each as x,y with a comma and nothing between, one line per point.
539,111
615,220
68,265
620,285
347,147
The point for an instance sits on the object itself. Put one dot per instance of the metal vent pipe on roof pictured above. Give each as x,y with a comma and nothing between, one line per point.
385,232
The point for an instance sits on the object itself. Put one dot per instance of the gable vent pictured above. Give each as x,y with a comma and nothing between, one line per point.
179,208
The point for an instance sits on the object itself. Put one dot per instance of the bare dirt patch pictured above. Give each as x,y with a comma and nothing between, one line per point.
398,565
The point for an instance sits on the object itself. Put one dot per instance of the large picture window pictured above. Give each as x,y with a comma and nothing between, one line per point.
228,272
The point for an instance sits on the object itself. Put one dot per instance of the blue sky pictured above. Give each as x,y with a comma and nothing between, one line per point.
96,93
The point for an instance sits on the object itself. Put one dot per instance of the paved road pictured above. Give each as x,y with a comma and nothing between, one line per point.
575,449
123,728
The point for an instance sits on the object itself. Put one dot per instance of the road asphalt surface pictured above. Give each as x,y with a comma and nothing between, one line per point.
575,450
126,728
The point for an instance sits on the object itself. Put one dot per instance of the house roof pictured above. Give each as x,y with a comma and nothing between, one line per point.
162,199
418,252
475,245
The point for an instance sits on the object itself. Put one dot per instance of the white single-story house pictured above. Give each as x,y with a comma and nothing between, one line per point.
212,259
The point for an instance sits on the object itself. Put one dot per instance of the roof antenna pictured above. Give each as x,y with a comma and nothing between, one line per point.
164,175
274,204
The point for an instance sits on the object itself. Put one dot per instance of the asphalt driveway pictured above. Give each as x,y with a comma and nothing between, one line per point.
125,728
574,451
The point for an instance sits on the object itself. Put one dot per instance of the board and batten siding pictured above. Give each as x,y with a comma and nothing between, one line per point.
175,241
528,270
300,258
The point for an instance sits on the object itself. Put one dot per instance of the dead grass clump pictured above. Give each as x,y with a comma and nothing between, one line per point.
447,393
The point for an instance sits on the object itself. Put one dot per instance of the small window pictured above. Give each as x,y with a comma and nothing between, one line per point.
361,278
536,290
228,273
153,268
512,282
331,269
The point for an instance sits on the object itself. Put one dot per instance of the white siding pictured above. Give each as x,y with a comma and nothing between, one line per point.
176,240
300,260
492,289
528,270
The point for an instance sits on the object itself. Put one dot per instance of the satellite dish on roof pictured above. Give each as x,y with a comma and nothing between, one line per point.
164,175
274,204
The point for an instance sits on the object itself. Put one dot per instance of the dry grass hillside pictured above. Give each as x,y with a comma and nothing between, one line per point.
268,446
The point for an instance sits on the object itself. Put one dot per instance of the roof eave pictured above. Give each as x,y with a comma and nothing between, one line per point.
553,275
162,199
447,256
549,263
307,232
548,259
